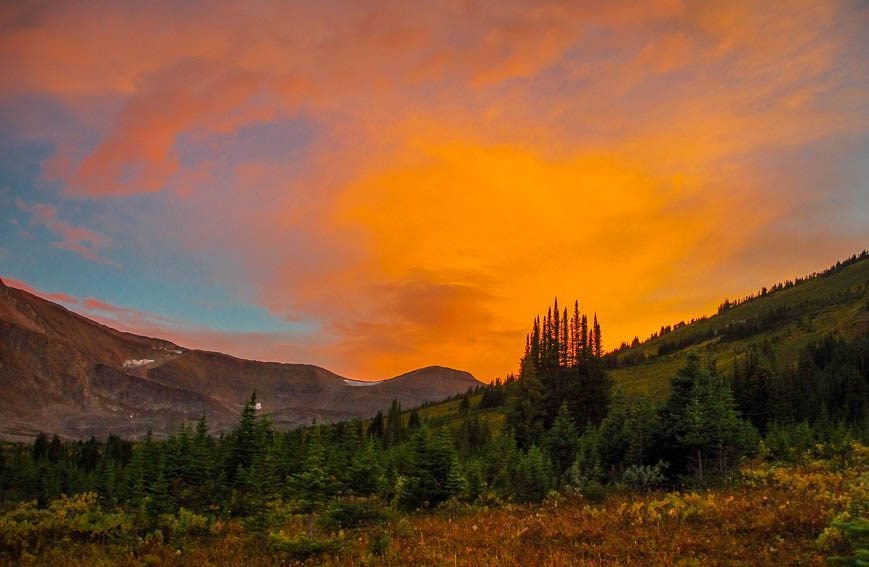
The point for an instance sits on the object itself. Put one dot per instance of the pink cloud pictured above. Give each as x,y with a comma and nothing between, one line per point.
59,297
83,241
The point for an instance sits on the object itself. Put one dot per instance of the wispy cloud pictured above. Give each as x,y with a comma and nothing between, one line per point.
83,241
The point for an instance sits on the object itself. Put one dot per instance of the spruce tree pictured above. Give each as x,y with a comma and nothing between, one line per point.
244,440
413,421
561,440
377,428
532,480
526,414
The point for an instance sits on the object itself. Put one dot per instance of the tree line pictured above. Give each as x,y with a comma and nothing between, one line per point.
562,427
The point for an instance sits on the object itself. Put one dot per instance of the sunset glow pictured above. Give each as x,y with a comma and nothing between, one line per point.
374,187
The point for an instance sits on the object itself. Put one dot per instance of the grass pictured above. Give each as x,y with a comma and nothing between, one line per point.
819,306
775,515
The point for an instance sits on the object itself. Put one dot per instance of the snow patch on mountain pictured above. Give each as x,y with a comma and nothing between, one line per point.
356,383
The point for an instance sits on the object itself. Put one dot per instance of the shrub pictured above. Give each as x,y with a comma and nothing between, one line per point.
303,547
184,525
378,543
856,533
532,479
644,477
79,518
344,514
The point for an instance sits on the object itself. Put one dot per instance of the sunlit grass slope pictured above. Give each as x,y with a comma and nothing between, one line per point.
837,303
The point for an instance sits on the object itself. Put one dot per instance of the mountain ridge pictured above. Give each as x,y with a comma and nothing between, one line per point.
65,373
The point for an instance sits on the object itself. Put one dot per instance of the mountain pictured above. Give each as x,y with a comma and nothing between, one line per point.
63,373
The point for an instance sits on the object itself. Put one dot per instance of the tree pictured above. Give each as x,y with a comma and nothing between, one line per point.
465,405
532,479
413,421
428,481
394,429
55,450
700,423
364,477
244,440
526,415
377,428
561,440
314,485
40,447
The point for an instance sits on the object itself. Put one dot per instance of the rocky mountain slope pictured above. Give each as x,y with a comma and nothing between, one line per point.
63,373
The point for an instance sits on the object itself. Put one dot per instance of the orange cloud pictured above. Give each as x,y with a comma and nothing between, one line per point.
511,229
470,161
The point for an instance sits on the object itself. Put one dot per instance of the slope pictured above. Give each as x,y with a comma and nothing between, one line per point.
63,373
787,320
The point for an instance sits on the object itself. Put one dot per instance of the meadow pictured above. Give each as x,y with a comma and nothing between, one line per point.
772,513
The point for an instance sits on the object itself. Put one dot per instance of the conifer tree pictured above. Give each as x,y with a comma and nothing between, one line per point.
413,421
365,474
244,440
526,413
561,440
394,427
532,479
377,428
598,345
431,467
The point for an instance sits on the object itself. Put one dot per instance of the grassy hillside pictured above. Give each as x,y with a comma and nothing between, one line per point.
796,316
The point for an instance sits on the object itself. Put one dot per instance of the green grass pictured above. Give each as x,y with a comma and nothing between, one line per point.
446,414
819,306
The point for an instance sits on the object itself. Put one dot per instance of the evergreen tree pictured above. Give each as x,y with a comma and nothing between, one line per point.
526,413
244,440
365,474
431,468
465,405
40,447
377,428
55,450
598,344
700,423
532,480
561,441
414,422
394,429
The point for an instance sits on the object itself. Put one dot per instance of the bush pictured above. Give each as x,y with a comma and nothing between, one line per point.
303,547
593,491
857,533
347,514
644,477
378,543
532,479
27,528
184,525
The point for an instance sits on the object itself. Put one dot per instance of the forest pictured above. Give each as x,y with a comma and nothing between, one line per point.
557,430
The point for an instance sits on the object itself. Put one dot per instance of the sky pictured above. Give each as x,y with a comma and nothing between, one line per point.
379,186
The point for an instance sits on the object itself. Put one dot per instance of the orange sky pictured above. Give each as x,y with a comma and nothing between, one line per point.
373,187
